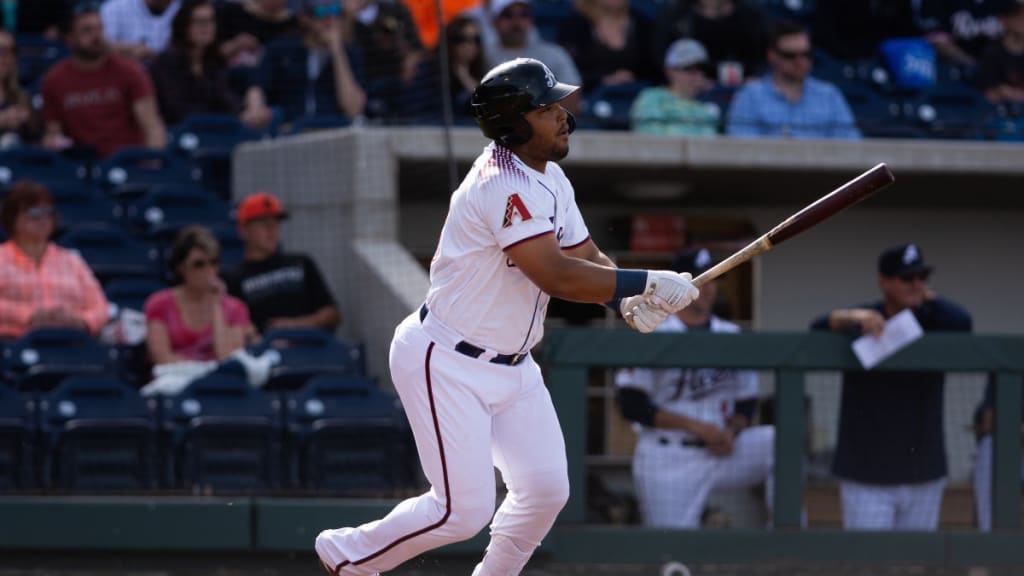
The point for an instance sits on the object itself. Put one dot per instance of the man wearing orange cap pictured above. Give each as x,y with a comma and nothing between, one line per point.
282,290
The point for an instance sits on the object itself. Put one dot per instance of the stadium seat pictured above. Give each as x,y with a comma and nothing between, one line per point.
799,10
142,166
607,107
40,165
17,440
208,140
79,203
163,210
348,437
719,98
98,435
220,433
110,251
305,353
130,291
549,16
878,116
36,54
40,359
951,111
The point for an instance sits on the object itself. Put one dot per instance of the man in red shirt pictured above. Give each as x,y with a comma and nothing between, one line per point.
96,98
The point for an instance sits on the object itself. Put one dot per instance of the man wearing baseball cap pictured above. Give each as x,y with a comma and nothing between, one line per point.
690,421
282,290
890,454
673,109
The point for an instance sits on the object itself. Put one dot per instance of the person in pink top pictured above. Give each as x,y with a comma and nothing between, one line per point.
42,284
195,319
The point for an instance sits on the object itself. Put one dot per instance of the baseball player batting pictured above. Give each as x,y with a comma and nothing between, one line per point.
461,364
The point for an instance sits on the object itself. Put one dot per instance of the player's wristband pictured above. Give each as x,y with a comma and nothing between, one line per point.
629,283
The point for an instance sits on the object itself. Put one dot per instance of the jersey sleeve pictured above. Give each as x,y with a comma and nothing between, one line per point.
514,211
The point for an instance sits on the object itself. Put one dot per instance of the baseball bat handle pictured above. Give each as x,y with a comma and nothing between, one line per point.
811,215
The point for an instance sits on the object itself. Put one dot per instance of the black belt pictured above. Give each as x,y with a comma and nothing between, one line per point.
690,442
467,349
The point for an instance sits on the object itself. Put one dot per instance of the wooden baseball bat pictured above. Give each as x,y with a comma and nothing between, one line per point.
811,215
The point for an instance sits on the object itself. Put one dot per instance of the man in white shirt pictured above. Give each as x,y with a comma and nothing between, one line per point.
138,29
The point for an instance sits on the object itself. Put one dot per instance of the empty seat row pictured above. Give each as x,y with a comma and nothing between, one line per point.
338,434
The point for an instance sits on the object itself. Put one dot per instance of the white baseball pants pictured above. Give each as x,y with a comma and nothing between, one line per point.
983,483
468,416
898,507
673,481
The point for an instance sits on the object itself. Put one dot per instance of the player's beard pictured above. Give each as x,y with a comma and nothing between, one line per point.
558,151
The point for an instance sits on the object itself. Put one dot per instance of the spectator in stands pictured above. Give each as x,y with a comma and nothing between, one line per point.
138,29
1001,71
35,17
853,29
517,38
609,42
732,31
424,15
960,30
17,121
890,454
245,28
42,284
788,102
387,37
466,62
196,319
282,290
96,98
314,75
673,109
190,77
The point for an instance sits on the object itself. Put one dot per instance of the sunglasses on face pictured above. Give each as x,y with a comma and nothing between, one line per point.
39,212
203,263
694,68
793,54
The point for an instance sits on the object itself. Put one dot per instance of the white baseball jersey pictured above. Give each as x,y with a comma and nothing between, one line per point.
475,289
705,394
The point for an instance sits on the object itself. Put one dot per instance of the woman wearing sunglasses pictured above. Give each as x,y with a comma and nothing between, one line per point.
42,284
195,319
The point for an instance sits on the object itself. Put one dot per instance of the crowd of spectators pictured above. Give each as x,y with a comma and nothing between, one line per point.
136,68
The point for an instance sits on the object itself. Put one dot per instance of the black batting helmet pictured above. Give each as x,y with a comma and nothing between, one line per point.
512,89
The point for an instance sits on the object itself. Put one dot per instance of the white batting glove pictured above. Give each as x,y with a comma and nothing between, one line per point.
641,315
670,290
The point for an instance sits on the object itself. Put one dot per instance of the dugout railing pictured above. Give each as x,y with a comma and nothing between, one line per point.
201,524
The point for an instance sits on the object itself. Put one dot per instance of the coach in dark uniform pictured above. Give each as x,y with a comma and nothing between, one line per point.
891,455
282,290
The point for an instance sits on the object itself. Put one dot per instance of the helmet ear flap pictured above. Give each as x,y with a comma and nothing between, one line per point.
572,121
520,134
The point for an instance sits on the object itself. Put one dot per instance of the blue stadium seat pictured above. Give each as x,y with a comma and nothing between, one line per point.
220,433
17,440
878,116
951,111
799,10
348,437
607,107
1003,129
130,291
35,56
142,166
98,435
40,359
306,352
79,203
163,210
720,98
38,164
549,15
208,139
110,251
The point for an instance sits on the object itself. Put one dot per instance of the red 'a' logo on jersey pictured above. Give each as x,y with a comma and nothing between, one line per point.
515,207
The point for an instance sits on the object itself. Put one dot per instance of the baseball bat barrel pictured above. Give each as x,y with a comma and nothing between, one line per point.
809,216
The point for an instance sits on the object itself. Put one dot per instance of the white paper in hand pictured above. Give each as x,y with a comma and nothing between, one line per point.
900,331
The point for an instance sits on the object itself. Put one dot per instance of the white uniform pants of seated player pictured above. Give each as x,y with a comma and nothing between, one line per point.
891,507
673,481
468,415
